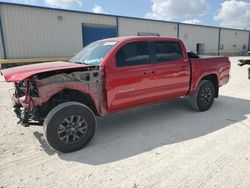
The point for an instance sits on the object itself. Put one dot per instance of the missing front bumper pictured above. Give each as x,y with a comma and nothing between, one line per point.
22,114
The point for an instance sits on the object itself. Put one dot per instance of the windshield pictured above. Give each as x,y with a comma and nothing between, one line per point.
94,53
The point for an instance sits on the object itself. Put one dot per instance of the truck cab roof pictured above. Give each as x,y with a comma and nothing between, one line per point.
141,38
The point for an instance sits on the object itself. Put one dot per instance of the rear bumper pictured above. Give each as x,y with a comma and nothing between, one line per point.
224,80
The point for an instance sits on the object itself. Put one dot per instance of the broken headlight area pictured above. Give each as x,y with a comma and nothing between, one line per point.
20,89
23,86
33,91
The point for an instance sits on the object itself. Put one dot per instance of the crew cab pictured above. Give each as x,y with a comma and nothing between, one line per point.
108,76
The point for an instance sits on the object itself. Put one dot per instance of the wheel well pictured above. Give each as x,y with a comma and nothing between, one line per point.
66,95
77,96
213,78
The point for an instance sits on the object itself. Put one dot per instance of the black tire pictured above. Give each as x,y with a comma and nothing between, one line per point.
203,98
69,127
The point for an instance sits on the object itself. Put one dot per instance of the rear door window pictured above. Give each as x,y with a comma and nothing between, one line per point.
166,51
136,53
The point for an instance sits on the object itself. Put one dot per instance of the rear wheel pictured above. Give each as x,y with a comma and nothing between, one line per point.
69,127
203,98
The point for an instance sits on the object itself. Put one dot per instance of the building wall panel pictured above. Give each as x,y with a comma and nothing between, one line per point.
1,41
191,35
130,27
1,48
33,32
234,40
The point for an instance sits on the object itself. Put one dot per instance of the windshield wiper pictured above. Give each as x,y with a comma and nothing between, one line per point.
78,62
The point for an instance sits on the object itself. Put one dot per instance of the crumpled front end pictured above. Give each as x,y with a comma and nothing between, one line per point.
35,97
22,98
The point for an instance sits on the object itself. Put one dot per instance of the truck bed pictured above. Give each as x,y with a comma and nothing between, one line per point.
206,65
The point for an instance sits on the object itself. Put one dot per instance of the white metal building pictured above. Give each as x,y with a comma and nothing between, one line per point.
41,32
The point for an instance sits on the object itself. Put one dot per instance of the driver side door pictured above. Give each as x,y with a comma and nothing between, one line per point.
129,79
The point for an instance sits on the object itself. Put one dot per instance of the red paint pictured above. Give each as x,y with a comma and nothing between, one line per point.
22,72
162,81
128,87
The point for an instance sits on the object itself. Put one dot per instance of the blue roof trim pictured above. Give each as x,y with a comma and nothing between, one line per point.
219,41
249,42
178,30
117,27
2,37
110,15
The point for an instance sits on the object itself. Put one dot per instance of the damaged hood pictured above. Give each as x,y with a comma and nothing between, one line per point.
22,72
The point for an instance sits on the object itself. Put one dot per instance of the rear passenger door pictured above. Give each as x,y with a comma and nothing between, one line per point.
129,81
171,69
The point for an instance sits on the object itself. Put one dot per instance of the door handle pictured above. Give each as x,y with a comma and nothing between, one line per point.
183,67
145,73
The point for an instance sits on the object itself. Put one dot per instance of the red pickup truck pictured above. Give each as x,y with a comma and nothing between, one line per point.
108,76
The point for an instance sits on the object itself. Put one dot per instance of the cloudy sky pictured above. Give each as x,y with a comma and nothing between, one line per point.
225,13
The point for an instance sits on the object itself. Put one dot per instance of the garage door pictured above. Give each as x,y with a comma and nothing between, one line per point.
93,32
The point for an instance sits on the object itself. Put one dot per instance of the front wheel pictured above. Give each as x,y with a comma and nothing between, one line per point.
203,98
69,127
